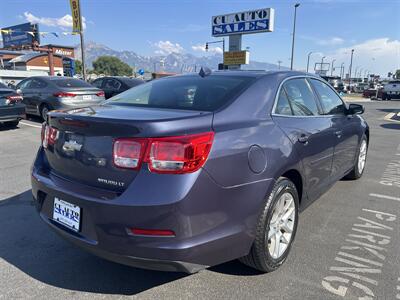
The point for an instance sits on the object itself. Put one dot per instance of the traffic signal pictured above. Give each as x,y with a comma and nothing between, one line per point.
206,46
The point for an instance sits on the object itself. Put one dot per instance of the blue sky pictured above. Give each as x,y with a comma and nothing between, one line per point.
327,27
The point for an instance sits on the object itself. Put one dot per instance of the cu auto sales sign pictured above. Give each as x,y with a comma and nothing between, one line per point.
253,21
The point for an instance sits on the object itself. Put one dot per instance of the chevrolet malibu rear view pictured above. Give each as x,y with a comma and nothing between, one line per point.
191,171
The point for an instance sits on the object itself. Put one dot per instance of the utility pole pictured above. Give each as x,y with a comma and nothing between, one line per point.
308,60
351,65
279,64
294,33
82,44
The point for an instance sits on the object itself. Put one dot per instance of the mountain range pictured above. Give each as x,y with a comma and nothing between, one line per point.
173,62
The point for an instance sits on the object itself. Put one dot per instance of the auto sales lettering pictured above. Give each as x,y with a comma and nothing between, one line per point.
254,21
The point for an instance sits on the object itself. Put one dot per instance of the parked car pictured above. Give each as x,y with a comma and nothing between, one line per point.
191,171
11,108
115,85
44,93
391,90
371,93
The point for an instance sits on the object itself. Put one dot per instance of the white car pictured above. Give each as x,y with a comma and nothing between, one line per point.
391,90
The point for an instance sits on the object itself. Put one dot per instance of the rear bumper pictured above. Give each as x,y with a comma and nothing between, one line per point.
212,224
12,112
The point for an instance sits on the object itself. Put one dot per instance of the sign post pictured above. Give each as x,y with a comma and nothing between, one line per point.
235,25
78,28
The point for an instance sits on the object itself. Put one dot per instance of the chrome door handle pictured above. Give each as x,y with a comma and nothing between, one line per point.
303,138
339,133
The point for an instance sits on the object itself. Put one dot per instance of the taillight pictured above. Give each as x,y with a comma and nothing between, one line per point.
128,153
49,135
173,155
182,154
100,94
64,95
13,99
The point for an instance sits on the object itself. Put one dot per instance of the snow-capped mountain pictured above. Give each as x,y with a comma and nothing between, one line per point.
173,62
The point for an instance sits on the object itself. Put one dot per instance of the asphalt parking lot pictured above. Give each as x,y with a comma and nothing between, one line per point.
347,245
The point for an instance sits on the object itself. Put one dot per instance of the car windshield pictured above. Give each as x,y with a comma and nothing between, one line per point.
70,83
186,92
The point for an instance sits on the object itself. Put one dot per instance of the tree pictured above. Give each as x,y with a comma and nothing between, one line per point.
110,65
397,74
78,67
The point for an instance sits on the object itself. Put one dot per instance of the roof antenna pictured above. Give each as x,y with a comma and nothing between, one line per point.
204,71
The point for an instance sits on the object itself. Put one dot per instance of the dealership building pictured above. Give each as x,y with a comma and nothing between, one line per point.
63,60
23,54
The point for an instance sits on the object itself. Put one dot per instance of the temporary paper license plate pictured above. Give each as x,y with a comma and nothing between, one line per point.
87,97
67,214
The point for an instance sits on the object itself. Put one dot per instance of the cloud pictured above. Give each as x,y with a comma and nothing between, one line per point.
333,41
201,48
167,47
330,42
64,22
376,55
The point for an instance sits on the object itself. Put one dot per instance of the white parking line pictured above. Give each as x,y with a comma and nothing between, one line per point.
31,125
385,197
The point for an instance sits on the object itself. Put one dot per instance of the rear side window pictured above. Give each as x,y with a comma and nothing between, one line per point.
301,97
37,84
24,84
283,106
330,101
70,83
97,83
112,84
186,92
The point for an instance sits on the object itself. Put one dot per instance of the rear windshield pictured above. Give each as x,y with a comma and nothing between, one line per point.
70,83
3,86
192,93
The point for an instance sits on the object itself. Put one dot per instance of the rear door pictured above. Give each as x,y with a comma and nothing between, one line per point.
38,94
111,87
345,128
297,112
27,94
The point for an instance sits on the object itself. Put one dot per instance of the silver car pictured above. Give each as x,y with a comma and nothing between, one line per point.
44,93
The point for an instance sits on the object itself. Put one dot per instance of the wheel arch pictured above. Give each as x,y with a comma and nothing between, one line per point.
295,176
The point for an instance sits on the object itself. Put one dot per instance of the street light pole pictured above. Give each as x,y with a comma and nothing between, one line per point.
308,60
322,62
332,66
294,33
279,64
342,71
351,65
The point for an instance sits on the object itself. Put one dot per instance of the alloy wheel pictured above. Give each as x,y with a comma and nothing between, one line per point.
281,225
362,157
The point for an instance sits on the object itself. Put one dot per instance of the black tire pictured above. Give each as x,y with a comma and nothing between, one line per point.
259,257
44,109
356,173
384,97
11,124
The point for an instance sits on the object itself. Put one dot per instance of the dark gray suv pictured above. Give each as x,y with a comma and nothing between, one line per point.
191,171
44,93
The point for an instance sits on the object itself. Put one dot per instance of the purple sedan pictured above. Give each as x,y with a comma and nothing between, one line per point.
191,171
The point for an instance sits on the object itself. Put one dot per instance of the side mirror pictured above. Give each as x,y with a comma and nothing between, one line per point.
19,91
355,109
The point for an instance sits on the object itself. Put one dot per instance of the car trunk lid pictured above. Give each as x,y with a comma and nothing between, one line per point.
83,148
